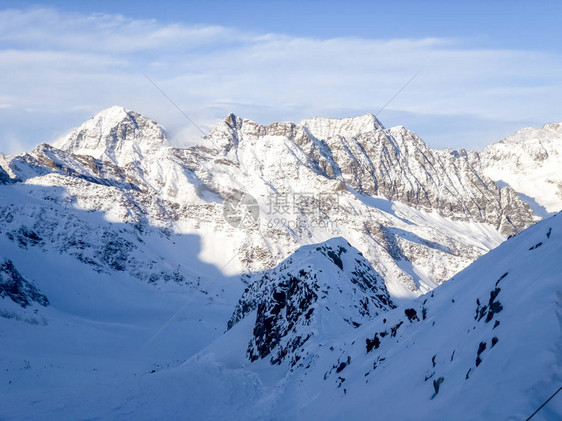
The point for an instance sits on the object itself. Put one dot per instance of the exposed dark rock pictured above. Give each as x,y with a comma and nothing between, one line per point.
494,306
437,384
17,288
373,343
4,177
341,367
501,277
288,298
412,314
24,237
481,349
395,329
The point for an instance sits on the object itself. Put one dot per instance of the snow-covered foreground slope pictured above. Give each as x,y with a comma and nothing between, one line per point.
485,345
81,296
530,161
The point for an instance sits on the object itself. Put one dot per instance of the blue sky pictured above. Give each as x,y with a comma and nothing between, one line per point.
485,68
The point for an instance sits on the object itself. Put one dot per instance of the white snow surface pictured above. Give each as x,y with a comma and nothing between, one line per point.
530,161
83,356
119,231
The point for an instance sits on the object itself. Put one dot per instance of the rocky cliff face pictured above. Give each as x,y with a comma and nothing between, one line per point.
15,287
4,177
395,164
325,287
417,215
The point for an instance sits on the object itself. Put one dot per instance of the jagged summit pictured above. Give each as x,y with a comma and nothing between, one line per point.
324,128
116,134
228,133
548,132
394,163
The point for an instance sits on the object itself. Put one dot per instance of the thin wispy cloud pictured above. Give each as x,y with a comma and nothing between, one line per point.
60,68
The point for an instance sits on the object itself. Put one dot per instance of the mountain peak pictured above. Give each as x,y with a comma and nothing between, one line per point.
228,133
116,134
320,288
324,128
548,133
526,159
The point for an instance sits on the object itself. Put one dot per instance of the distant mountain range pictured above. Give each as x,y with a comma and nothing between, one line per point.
417,214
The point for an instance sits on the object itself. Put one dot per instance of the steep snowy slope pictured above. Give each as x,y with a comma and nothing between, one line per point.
485,345
530,161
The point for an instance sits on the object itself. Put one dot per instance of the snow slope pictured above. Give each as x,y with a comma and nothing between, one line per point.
489,349
485,345
80,297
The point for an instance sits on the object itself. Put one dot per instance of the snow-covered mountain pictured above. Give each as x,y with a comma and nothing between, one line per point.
117,135
325,286
417,215
485,345
530,161
305,309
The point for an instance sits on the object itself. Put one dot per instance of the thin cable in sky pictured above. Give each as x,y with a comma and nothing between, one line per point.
396,94
175,105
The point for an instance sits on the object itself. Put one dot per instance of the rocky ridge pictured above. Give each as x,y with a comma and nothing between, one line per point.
324,287
417,215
